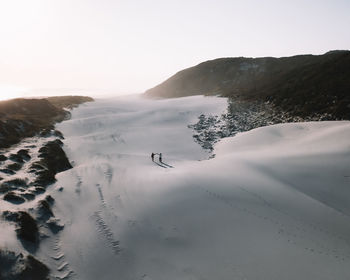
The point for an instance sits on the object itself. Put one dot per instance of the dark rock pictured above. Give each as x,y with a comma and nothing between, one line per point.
13,198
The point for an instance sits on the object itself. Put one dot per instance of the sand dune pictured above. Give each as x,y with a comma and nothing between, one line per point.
272,204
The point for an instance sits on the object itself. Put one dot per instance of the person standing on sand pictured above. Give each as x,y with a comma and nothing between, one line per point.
152,156
160,157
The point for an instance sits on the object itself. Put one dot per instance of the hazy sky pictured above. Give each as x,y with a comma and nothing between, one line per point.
129,46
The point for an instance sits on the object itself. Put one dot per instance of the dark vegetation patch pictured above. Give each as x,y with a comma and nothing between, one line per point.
58,134
36,166
27,228
17,182
39,190
24,154
20,118
54,225
17,267
34,268
28,196
7,171
53,160
13,198
10,216
241,116
44,210
13,184
47,132
4,188
44,178
68,101
16,158
14,166
50,199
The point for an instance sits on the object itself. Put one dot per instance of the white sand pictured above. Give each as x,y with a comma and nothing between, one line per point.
273,204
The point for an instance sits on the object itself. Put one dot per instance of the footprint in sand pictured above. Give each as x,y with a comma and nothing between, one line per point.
109,174
63,270
292,237
105,231
78,185
100,193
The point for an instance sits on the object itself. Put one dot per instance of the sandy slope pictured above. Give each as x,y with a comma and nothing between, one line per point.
272,204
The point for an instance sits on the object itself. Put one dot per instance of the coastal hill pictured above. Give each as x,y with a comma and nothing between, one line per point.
301,85
22,117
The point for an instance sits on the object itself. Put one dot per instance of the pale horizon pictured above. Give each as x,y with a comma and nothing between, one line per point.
52,47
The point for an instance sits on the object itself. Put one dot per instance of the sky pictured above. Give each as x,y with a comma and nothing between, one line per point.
104,47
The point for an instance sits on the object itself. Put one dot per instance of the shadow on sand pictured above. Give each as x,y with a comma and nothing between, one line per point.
167,165
164,165
159,164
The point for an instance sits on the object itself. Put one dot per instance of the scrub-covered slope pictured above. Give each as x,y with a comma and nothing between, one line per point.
301,85
273,204
28,166
20,118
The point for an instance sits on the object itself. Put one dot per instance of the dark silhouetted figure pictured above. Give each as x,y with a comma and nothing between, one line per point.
160,157
152,156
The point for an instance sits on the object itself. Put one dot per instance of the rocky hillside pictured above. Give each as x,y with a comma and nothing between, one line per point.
21,117
300,85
